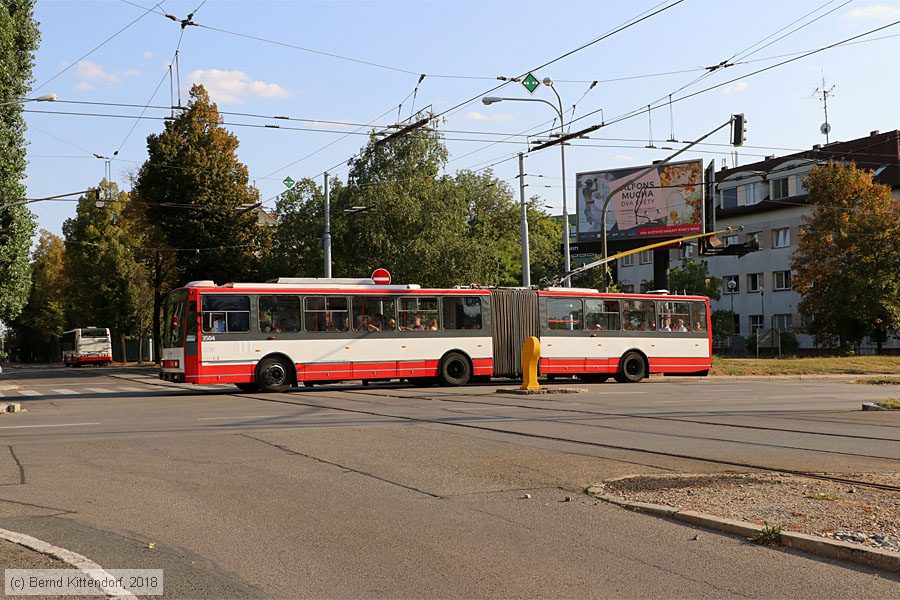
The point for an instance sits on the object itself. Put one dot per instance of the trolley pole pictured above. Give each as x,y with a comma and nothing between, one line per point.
526,259
326,237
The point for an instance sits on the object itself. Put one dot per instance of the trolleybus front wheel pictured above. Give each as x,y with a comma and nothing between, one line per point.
273,375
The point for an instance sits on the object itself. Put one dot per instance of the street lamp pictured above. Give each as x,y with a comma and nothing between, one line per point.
731,285
488,100
44,98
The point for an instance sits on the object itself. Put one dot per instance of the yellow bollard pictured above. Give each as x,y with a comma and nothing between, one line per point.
531,353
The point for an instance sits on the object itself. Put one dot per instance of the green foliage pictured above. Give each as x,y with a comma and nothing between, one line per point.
19,38
722,324
424,226
789,345
768,534
102,272
848,261
692,277
195,209
42,321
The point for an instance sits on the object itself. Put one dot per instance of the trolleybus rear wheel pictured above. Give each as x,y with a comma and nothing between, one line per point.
632,368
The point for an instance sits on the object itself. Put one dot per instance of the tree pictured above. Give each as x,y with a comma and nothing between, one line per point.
192,189
103,274
19,38
43,320
847,263
297,246
692,277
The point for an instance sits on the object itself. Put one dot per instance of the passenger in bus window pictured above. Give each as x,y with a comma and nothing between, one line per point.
665,325
330,326
218,323
679,326
433,325
697,326
391,325
265,322
417,324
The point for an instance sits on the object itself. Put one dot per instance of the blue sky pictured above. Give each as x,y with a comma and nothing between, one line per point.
473,42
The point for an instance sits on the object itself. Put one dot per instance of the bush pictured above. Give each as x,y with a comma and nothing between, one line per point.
789,345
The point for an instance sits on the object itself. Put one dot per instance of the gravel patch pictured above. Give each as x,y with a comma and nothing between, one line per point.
829,509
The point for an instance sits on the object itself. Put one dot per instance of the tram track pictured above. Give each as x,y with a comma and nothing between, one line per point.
544,437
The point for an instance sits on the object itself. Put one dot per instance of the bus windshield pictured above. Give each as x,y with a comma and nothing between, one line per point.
173,323
94,332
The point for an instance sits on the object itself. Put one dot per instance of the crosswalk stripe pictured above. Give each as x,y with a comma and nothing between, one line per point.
29,393
65,391
130,389
100,390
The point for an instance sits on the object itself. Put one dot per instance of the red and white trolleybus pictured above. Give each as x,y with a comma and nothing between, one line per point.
270,336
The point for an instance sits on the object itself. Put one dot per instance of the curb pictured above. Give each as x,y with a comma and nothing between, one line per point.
811,544
73,559
873,406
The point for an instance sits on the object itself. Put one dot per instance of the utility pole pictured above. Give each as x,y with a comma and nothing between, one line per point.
326,238
523,217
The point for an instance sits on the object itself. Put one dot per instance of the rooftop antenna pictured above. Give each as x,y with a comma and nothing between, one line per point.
823,93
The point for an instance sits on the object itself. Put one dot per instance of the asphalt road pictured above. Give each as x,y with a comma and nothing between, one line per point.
393,491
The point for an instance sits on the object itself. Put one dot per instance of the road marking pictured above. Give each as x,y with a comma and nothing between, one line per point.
29,393
64,391
248,417
51,425
130,389
99,390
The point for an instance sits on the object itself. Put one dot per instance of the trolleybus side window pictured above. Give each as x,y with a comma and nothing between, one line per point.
698,316
564,314
639,315
673,316
462,312
326,313
374,313
225,313
418,314
171,334
279,313
602,315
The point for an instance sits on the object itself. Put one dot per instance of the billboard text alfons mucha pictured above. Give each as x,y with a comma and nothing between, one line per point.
664,202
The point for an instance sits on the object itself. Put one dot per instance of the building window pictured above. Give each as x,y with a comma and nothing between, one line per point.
779,188
730,240
756,323
728,287
781,322
751,194
754,282
781,238
628,260
687,251
729,198
801,186
782,280
753,238
646,257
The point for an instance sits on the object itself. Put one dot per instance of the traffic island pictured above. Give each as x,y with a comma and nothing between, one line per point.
542,391
823,517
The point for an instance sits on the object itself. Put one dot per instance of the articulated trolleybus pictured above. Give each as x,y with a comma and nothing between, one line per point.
87,346
291,331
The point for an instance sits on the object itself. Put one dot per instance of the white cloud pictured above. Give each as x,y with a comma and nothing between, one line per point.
876,12
622,158
148,54
84,86
738,87
91,71
230,87
132,73
494,116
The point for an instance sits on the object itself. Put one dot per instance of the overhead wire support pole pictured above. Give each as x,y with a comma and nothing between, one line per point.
326,237
567,257
523,207
631,179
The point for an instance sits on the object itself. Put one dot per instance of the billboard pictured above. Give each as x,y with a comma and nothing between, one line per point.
666,201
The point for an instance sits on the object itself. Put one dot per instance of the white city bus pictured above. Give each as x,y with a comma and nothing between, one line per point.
87,346
270,336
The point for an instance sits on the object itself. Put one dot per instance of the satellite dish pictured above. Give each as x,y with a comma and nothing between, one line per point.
825,128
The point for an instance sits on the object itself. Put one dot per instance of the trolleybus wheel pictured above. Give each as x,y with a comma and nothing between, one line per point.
631,368
455,370
272,375
247,387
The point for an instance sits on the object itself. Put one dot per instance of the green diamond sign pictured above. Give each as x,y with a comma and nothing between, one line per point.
288,182
531,83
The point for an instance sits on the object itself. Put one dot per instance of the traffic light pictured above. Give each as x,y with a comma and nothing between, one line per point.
738,129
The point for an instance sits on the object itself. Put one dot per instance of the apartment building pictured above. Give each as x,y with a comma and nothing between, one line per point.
768,199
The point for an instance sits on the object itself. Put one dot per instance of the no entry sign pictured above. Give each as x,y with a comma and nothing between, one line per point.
381,276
